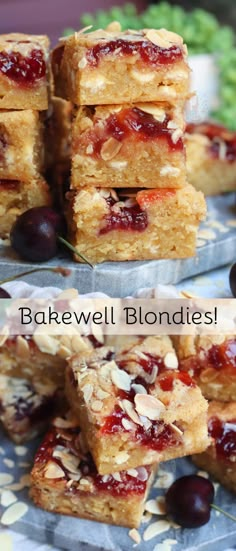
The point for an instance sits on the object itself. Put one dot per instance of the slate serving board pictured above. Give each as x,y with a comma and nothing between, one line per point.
125,278
81,535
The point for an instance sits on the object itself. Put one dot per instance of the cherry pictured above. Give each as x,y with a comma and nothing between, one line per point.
34,234
189,499
4,294
232,279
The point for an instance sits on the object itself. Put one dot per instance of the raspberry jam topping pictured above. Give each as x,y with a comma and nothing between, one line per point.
23,70
127,123
166,381
9,185
223,141
128,218
147,52
68,440
219,357
224,434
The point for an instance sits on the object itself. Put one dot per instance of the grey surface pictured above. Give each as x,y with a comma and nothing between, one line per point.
125,278
80,535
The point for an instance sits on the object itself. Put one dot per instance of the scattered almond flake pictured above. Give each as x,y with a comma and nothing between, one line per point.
6,542
114,27
164,481
165,545
171,360
121,457
149,406
6,478
69,461
7,498
142,474
128,425
206,234
68,294
87,392
200,243
218,225
110,148
135,536
132,472
9,463
155,529
105,478
22,347
204,474
146,517
96,405
14,513
156,506
139,389
231,223
53,471
4,335
20,450
120,379
2,451
101,394
176,135
61,423
129,409
117,477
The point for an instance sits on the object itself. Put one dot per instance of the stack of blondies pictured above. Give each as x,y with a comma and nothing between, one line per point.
129,198
24,90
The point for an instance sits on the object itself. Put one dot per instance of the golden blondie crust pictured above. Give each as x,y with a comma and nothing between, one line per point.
24,72
58,132
211,158
64,480
108,224
135,407
21,145
16,197
211,361
219,459
41,358
25,409
128,146
109,66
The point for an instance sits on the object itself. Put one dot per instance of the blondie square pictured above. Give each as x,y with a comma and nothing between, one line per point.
21,145
219,459
25,409
211,361
16,197
128,146
108,224
211,158
64,480
24,71
109,66
135,407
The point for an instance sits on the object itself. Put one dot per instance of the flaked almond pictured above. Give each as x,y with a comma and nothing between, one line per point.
102,394
4,335
14,513
53,471
135,536
142,474
77,343
114,27
110,149
129,409
158,39
176,429
133,473
121,457
5,478
61,423
97,405
69,461
171,360
117,477
138,389
87,392
149,406
176,135
46,344
82,62
156,506
89,149
128,425
120,379
68,294
142,77
152,109
22,347
155,529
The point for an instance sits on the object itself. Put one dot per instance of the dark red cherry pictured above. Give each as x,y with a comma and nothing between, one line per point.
188,501
4,294
34,234
232,279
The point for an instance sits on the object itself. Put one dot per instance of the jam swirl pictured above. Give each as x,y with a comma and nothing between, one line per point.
224,434
148,52
24,70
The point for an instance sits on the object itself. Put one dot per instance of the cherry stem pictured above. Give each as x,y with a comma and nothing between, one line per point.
74,250
58,270
223,512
